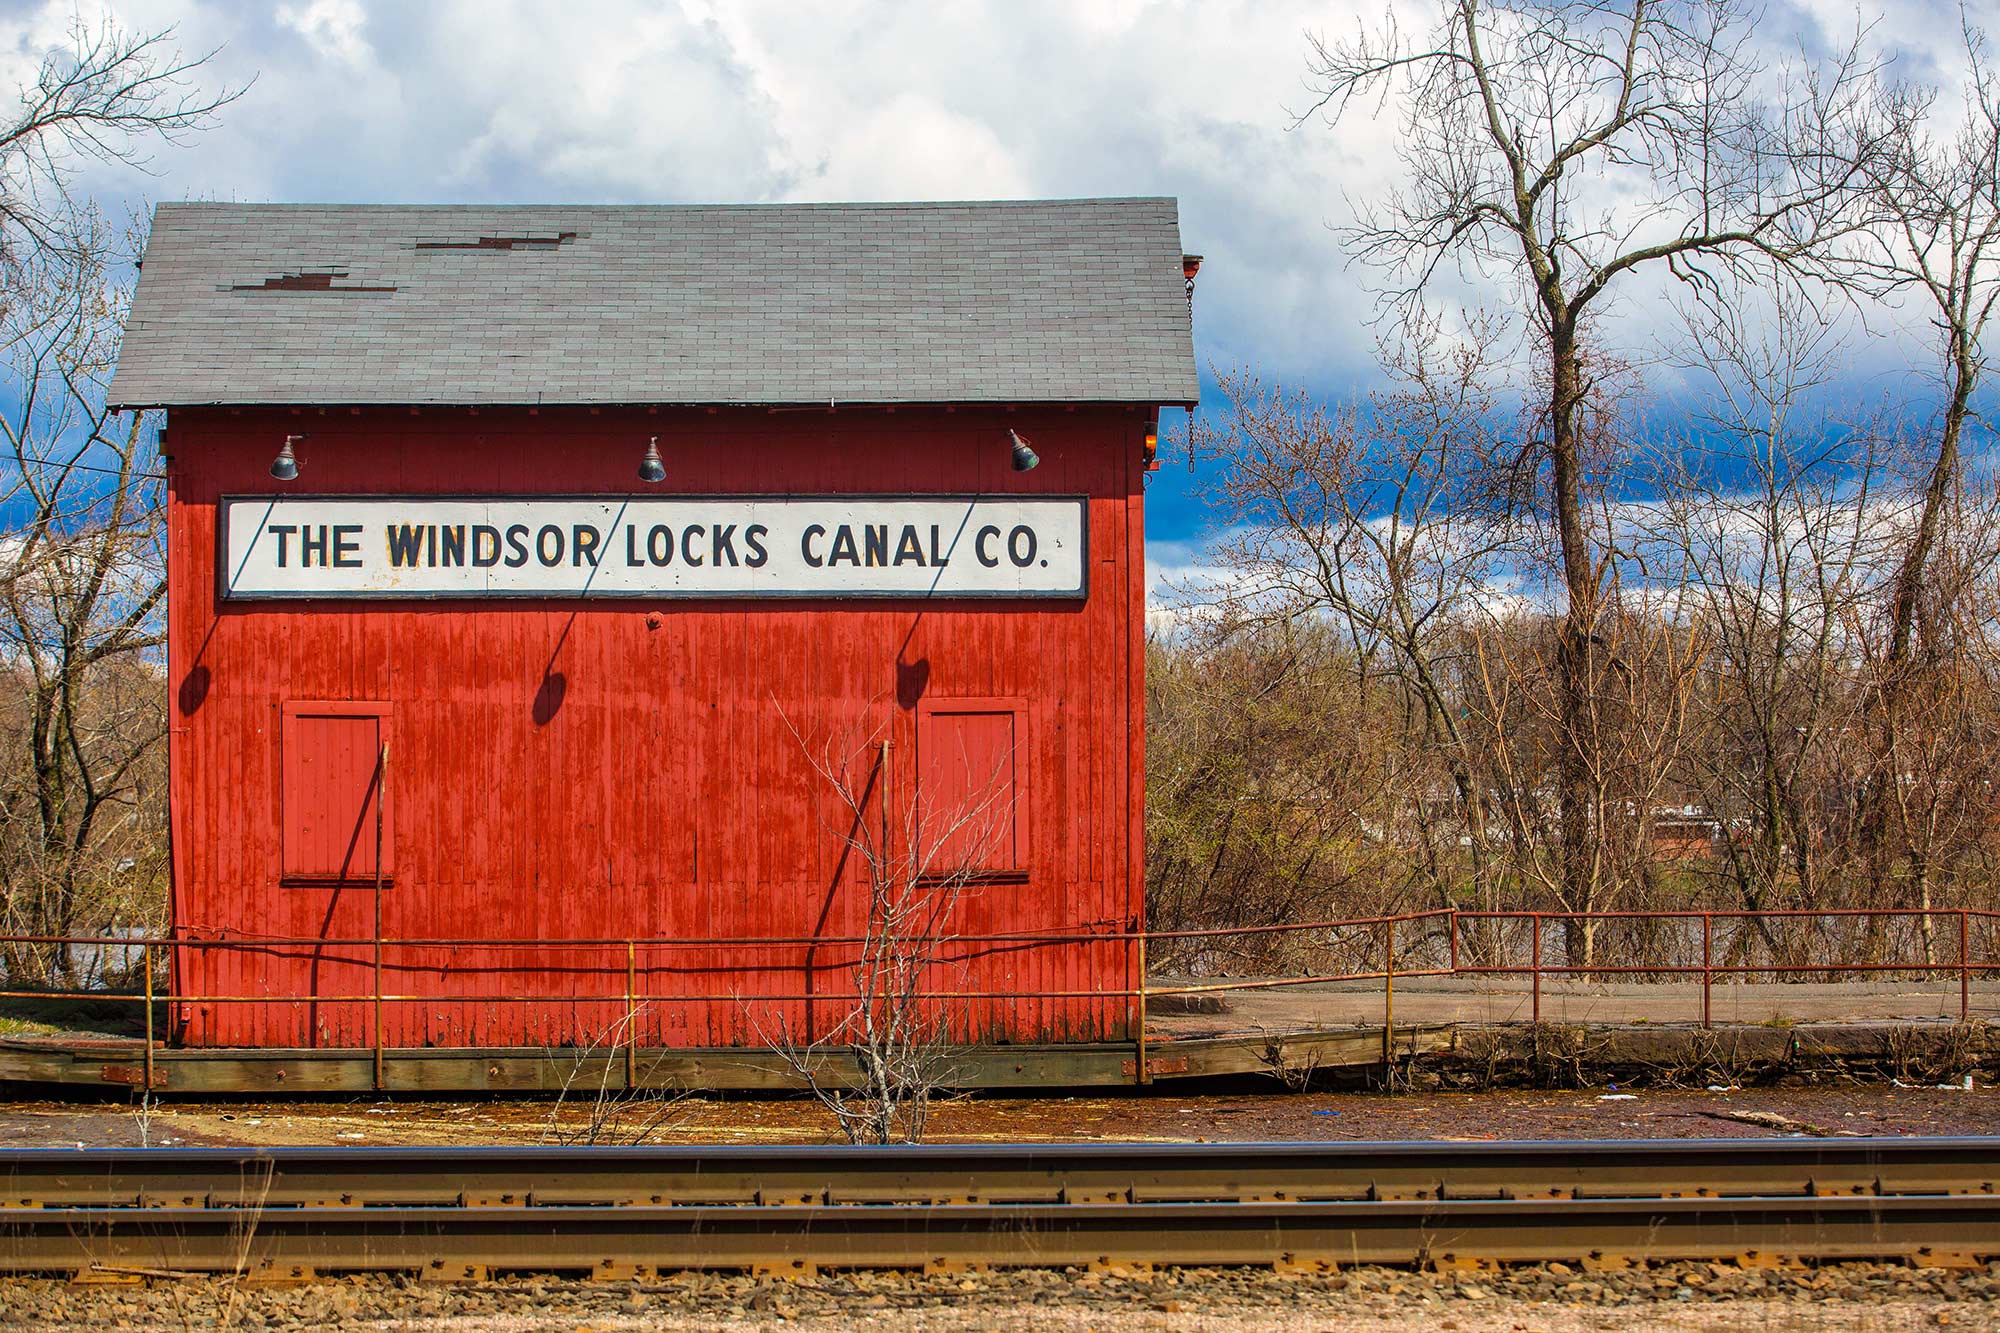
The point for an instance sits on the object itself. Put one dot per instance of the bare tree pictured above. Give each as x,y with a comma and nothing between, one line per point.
107,95
890,1042
1277,791
82,586
1934,210
81,564
1934,234
1571,146
1769,533
1361,518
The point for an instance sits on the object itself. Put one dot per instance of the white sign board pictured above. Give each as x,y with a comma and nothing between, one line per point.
651,546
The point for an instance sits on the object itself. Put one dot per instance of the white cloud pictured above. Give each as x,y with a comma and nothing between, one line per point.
913,147
720,100
631,100
637,100
332,28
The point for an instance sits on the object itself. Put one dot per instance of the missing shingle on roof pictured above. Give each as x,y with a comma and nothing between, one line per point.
505,242
307,282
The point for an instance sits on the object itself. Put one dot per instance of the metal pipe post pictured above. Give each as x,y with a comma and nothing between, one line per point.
1707,967
1964,966
631,1015
381,799
1535,923
1389,999
148,947
1140,1071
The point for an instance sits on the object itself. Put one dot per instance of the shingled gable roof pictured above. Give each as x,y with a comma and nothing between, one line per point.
1064,301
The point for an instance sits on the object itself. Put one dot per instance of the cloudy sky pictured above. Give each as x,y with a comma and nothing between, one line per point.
662,101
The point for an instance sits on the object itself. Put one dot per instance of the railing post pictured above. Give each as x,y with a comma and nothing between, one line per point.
148,947
381,799
376,1025
1389,1002
1964,966
1707,968
1140,1072
631,1016
1454,941
1535,963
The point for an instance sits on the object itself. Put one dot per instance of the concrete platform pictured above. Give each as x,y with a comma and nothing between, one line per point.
1432,1001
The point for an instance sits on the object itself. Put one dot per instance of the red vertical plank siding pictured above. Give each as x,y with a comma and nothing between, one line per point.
573,770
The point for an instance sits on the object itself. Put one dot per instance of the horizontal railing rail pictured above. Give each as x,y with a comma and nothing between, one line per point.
1407,946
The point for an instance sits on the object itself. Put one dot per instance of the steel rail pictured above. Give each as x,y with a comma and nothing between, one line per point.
468,1242
621,1209
996,1173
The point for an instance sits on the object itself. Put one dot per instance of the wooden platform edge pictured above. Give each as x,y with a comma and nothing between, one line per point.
99,1064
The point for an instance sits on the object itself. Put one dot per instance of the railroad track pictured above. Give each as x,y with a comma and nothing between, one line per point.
621,1212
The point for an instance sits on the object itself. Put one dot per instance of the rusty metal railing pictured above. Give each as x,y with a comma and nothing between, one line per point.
1960,967
1438,949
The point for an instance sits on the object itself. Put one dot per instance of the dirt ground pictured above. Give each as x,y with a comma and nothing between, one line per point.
1597,1113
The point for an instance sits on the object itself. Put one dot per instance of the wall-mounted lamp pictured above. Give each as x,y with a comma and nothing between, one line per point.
1024,455
285,467
650,467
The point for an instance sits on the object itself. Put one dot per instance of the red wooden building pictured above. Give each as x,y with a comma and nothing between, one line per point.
455,677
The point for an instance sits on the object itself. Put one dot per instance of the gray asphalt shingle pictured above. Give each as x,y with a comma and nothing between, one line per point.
1059,301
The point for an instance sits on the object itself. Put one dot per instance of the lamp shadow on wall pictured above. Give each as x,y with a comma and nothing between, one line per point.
549,698
555,685
194,689
911,679
194,686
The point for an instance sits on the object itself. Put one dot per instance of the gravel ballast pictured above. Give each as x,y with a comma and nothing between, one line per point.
1553,1297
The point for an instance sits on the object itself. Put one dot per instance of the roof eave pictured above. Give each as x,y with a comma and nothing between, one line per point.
786,404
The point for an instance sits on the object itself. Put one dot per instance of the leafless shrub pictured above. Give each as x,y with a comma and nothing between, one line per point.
876,1055
243,1224
597,1103
1293,1067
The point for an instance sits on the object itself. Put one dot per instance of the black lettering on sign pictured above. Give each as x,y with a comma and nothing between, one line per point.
583,544
281,531
875,545
345,545
517,545
451,545
806,551
938,558
485,546
725,543
308,543
843,547
1021,558
688,534
753,542
406,542
549,558
910,549
979,546
660,545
